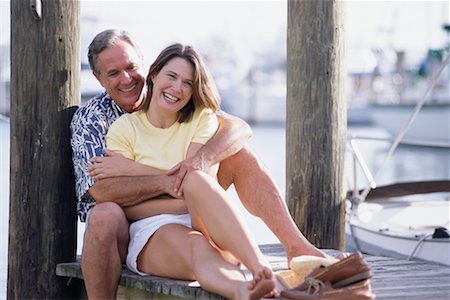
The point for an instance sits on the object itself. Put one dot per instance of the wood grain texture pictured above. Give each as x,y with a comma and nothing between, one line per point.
316,120
392,279
45,64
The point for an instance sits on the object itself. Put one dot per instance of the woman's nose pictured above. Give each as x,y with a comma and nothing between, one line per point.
177,85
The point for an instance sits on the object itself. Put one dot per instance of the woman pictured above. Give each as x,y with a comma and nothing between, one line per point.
200,237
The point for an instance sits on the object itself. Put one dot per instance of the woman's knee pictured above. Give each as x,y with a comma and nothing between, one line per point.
199,248
194,182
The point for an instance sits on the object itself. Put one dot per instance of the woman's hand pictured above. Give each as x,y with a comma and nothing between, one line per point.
115,165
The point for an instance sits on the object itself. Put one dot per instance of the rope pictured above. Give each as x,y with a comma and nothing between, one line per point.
422,239
315,284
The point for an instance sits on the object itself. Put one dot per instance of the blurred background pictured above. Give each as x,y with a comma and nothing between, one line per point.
393,50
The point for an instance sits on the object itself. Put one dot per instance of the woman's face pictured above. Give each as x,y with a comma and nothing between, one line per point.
172,86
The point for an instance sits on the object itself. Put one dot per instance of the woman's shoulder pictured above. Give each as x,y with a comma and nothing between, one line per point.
124,122
204,112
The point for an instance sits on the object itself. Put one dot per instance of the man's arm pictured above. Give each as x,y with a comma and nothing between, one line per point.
230,137
88,127
127,191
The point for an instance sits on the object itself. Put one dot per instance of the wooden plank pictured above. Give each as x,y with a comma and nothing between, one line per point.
392,279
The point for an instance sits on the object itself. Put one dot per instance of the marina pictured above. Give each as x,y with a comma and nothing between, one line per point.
406,278
392,74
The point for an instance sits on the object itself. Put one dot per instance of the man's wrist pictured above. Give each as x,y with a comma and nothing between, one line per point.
165,184
204,161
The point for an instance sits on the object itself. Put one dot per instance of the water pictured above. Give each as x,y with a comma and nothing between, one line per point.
268,142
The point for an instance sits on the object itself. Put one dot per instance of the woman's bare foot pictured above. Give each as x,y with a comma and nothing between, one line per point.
262,285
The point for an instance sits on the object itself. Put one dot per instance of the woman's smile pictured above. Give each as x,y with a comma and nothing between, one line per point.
170,97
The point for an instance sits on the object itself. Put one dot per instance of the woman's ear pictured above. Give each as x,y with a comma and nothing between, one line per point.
152,77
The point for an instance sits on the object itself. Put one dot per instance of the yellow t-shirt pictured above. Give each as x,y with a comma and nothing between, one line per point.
136,138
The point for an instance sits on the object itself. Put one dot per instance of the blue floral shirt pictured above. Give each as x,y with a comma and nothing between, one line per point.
89,125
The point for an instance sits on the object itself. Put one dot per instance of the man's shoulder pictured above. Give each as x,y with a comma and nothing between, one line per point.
101,102
98,107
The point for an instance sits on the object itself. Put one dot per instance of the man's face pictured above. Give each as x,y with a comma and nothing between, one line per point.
121,75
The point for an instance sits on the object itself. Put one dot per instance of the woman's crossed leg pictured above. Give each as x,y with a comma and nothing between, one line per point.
179,252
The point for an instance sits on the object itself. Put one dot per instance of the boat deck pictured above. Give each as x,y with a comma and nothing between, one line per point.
392,279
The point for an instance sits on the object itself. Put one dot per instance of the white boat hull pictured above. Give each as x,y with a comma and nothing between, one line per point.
401,229
432,123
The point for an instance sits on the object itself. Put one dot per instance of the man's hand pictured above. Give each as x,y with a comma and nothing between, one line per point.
181,169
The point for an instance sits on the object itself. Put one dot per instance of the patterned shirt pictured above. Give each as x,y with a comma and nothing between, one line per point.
89,126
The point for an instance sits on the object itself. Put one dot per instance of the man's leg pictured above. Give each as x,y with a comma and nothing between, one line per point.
105,247
261,197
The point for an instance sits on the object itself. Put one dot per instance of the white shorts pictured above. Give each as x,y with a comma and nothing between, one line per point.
142,230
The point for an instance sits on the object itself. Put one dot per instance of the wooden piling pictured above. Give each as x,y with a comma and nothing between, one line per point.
316,120
45,64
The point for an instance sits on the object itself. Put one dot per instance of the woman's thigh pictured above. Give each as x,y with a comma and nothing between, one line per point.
170,252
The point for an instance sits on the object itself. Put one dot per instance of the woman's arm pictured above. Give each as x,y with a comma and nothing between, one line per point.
116,165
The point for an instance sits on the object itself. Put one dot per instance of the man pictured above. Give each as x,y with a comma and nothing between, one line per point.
116,63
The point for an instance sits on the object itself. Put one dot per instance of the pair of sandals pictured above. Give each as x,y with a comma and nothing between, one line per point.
313,277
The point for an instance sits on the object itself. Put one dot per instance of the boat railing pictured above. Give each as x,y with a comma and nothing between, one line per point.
358,195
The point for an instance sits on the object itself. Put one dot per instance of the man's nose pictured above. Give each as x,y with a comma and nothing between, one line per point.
126,76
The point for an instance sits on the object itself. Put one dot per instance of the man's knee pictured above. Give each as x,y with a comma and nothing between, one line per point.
106,218
243,156
243,162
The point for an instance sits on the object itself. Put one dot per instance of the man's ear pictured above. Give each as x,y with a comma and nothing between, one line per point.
97,77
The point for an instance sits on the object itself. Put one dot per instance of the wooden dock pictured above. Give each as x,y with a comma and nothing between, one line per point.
392,279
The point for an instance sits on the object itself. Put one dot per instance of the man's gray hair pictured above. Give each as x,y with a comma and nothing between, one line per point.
106,39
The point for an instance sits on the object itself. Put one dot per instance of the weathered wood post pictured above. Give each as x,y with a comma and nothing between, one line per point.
45,64
316,120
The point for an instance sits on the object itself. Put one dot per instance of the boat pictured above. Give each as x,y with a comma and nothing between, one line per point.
421,97
432,122
408,220
396,221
